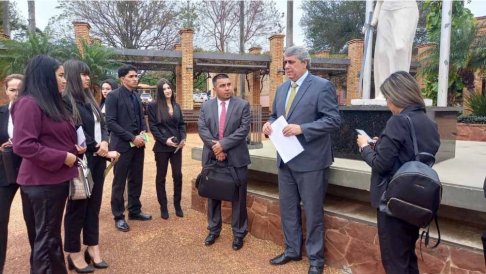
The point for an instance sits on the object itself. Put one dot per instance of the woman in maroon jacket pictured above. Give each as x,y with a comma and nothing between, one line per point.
45,138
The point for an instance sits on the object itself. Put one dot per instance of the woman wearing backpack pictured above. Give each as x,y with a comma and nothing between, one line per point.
389,152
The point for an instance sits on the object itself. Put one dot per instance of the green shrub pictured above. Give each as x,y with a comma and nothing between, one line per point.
477,104
471,119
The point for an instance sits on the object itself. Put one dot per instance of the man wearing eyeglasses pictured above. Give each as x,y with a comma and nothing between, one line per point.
309,104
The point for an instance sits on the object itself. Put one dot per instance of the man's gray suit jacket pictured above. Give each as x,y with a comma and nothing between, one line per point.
315,109
237,127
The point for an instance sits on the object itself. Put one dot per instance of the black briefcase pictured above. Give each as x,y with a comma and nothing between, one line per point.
218,181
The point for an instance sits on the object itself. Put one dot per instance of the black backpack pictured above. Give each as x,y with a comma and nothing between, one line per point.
414,193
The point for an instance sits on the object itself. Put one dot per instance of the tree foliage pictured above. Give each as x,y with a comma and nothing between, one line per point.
17,22
329,25
219,22
467,48
15,55
129,24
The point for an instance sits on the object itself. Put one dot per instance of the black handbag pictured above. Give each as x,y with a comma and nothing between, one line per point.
218,181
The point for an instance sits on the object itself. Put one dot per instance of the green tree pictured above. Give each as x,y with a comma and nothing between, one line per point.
468,52
15,55
329,25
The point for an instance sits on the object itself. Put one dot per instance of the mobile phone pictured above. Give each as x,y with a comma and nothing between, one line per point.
363,133
175,140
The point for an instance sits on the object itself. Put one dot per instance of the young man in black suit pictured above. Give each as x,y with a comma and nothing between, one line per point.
125,120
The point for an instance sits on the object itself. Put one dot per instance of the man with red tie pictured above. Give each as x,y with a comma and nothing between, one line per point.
224,124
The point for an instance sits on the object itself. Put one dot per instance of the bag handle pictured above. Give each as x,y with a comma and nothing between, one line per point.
427,239
236,179
415,146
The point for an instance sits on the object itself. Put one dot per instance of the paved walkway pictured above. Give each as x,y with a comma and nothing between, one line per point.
162,246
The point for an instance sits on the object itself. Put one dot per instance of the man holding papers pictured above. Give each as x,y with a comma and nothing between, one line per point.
309,105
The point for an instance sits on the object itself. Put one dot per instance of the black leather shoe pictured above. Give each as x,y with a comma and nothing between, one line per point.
71,266
283,259
122,225
210,239
178,211
237,243
88,259
316,269
140,217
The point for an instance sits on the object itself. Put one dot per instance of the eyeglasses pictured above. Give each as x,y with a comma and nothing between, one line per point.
290,62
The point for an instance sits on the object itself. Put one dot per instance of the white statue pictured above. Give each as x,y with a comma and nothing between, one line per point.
397,23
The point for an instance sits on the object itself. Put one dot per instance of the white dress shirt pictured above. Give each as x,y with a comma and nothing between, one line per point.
299,83
220,107
97,130
10,123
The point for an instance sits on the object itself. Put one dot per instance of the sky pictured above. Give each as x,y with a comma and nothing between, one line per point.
45,9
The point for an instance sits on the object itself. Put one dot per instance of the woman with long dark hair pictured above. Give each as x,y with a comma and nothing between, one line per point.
169,131
45,137
108,86
84,214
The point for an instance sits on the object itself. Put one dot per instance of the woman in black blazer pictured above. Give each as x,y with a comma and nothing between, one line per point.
8,184
108,86
169,131
392,149
84,214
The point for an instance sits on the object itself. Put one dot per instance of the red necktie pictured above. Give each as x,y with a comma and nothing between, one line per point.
222,119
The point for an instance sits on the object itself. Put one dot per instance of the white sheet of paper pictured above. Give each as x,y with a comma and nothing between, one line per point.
287,147
81,137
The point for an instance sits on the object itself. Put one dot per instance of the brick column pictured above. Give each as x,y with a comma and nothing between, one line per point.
81,33
187,65
254,96
178,87
420,57
355,54
276,65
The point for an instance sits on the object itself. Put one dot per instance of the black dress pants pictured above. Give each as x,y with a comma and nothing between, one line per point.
84,214
239,214
483,238
129,166
7,194
162,160
43,207
397,245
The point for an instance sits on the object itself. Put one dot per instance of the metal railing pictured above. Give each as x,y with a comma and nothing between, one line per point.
255,135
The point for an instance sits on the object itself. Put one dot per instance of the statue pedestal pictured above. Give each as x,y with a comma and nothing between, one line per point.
379,102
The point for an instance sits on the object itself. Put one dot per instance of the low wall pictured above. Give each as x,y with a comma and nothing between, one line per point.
471,132
350,244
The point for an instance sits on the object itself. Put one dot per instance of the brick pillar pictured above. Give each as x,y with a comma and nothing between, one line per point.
81,33
420,56
355,54
178,87
187,73
254,94
276,65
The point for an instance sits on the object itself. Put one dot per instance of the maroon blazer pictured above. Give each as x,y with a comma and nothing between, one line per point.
43,143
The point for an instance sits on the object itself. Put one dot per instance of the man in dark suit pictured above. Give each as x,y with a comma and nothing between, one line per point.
224,124
309,104
125,120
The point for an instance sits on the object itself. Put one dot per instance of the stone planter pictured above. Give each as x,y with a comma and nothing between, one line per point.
471,132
